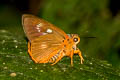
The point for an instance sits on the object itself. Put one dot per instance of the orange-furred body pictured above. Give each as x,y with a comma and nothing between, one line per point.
47,43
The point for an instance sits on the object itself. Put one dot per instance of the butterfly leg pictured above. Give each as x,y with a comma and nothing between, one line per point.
71,56
59,58
80,55
30,51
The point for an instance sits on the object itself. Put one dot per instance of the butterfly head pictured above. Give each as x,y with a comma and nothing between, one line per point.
75,38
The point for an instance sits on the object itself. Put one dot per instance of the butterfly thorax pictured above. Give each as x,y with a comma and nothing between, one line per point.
71,43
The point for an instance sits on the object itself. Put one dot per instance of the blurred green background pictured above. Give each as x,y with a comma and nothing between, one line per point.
88,18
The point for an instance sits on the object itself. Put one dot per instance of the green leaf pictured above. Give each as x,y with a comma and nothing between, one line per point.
16,64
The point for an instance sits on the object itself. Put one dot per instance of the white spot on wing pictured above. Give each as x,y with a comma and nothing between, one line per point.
44,33
49,31
39,25
38,30
44,46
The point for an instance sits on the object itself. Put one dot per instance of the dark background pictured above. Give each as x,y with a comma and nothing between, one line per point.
88,18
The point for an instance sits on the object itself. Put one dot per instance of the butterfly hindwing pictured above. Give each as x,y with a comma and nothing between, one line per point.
43,47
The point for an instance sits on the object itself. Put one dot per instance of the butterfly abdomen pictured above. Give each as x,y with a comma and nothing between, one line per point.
54,58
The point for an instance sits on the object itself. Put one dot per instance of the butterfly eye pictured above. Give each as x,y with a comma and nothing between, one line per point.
75,39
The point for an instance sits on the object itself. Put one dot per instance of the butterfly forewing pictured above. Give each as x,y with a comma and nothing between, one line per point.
44,37
35,27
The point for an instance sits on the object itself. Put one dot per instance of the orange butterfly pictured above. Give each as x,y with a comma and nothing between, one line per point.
47,43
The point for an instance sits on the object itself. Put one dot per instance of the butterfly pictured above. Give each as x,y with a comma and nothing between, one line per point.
47,43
